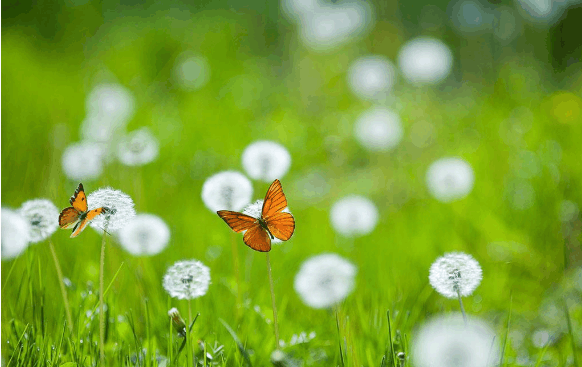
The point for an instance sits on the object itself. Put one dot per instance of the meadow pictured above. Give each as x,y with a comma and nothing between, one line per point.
207,81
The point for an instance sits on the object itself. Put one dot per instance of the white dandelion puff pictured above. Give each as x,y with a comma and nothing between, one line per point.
15,234
325,280
138,148
371,77
425,60
449,341
330,26
542,11
83,161
266,160
42,216
450,179
455,273
354,216
255,210
227,190
144,234
191,72
378,129
187,279
109,108
120,205
298,9
112,100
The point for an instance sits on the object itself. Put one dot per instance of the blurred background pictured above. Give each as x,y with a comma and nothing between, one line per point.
365,97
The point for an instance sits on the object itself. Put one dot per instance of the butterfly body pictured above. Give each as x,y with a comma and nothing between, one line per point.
264,226
273,222
78,214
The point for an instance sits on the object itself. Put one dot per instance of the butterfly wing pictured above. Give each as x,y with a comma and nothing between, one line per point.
281,225
275,200
257,238
68,217
80,226
237,221
79,200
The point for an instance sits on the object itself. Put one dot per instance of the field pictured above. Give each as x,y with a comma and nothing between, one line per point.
507,108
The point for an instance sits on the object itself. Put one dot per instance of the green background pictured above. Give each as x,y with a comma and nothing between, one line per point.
265,85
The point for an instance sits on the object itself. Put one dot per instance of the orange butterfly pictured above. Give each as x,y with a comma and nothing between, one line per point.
78,215
272,223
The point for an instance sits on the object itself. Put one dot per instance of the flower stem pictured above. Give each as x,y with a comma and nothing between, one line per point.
273,300
339,337
462,308
189,333
101,296
236,273
62,284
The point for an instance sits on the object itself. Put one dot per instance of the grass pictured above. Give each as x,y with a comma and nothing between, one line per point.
527,254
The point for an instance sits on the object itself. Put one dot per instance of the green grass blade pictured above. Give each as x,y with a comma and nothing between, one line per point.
239,344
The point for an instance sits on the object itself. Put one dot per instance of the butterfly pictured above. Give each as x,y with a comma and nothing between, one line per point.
79,215
273,222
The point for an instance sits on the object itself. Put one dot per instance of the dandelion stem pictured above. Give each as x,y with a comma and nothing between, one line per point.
101,297
273,301
571,332
336,309
462,308
236,272
189,333
62,284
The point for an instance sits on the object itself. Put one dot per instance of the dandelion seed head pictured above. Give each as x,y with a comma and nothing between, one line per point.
542,11
298,9
111,100
227,190
266,160
109,108
378,129
446,341
138,148
42,216
144,234
455,271
255,210
450,179
99,128
330,26
354,216
187,279
371,77
120,208
83,161
191,72
325,280
425,60
15,234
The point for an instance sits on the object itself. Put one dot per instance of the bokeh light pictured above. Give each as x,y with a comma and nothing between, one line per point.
371,77
425,60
